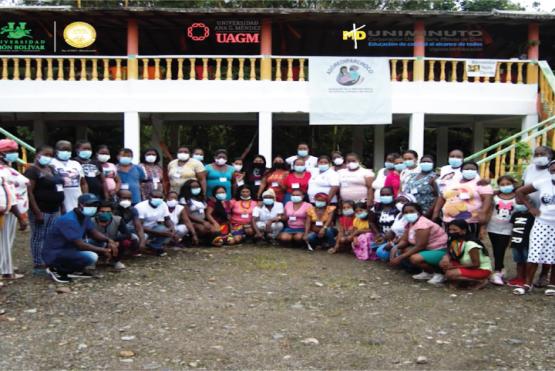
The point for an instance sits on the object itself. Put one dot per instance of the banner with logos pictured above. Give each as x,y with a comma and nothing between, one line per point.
481,68
349,91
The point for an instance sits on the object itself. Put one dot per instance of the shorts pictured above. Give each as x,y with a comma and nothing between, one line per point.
433,257
293,230
520,255
475,274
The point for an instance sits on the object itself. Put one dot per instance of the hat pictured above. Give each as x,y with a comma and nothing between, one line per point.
322,195
8,145
269,192
407,196
88,199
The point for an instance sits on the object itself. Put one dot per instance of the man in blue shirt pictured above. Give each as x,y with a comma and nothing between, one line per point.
65,251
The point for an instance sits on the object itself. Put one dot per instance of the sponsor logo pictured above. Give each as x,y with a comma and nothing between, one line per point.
198,31
79,35
356,34
17,37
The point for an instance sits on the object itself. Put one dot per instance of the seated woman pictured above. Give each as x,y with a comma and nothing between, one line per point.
345,227
193,199
322,233
266,218
363,234
423,245
219,213
295,216
467,260
180,219
241,214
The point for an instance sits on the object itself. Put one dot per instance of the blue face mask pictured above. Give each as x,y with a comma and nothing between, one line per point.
155,202
409,163
411,217
299,168
198,157
389,165
125,160
11,157
89,210
320,204
268,201
104,217
45,160
521,208
85,155
469,174
400,167
323,168
386,200
296,199
221,196
507,189
348,212
427,166
64,155
362,215
455,162
195,191
302,153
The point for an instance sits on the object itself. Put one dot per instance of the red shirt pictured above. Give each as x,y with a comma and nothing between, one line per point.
393,180
292,182
346,222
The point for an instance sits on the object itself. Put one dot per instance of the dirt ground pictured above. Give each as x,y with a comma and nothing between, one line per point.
261,307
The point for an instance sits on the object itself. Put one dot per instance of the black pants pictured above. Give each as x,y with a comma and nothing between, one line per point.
499,242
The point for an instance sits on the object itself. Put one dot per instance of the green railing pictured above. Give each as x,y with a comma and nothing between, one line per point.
24,146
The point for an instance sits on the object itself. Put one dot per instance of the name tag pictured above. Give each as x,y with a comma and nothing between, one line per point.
295,185
240,183
464,196
275,184
177,175
223,179
59,187
91,174
125,186
155,180
257,182
319,224
200,211
292,218
244,216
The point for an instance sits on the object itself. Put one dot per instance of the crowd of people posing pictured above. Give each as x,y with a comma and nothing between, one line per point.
84,210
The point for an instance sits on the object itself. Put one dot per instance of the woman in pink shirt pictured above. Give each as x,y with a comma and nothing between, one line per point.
295,215
423,244
241,214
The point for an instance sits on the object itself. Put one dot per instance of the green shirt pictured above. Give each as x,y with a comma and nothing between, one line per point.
485,262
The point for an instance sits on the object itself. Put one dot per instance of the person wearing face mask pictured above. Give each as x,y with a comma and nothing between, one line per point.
219,213
396,230
194,201
157,224
356,182
94,176
185,168
345,228
112,182
198,154
219,173
131,175
467,260
393,177
242,207
465,199
154,175
255,173
389,166
66,252
240,175
338,161
422,245
297,179
267,217
410,159
275,178
499,226
46,201
453,168
323,179
384,213
422,185
321,218
522,222
303,153
364,232
130,217
13,206
72,172
180,220
295,216
541,249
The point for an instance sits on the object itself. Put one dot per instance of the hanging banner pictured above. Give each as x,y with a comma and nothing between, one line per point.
481,68
349,91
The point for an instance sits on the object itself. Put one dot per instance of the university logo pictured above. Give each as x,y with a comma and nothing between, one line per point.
355,34
79,34
198,31
16,32
349,76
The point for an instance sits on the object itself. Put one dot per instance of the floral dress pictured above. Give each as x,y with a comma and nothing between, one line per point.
423,189
153,180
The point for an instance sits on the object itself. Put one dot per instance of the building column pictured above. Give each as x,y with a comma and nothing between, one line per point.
379,146
265,135
132,134
416,132
442,144
419,50
533,52
528,122
132,49
478,131
266,49
40,134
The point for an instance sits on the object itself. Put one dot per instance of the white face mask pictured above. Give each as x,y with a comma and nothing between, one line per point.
553,177
353,165
150,159
540,161
171,203
338,161
125,203
220,161
238,167
183,156
399,206
103,158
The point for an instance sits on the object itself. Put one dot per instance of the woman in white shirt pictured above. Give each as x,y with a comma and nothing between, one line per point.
267,216
323,179
379,182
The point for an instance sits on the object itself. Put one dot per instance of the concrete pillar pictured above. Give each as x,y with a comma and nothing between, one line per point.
265,135
379,146
416,132
40,134
478,131
419,50
132,49
358,139
528,122
442,137
132,134
533,52
266,49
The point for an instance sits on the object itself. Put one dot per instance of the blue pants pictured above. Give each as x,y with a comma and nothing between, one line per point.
73,261
156,242
382,253
328,239
38,235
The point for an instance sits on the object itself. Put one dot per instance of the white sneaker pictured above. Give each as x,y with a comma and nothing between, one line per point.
424,276
437,279
119,266
497,279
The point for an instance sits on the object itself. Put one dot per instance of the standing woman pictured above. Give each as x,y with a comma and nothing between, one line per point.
94,175
356,182
153,173
131,175
410,159
219,173
72,173
185,168
112,182
275,179
46,200
296,180
255,173
423,186
13,206
389,166
452,170
338,161
323,179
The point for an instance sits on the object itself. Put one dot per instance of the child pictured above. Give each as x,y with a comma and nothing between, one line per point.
218,212
397,228
345,227
384,214
321,217
364,232
522,221
499,226
393,178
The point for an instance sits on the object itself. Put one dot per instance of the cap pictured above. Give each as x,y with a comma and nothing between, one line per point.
88,199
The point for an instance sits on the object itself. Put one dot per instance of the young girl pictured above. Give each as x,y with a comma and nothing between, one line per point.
396,230
322,234
364,232
241,214
522,221
192,198
345,227
393,178
384,213
499,226
218,213
295,216
110,171
467,260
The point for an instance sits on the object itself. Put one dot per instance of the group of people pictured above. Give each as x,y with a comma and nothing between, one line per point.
429,221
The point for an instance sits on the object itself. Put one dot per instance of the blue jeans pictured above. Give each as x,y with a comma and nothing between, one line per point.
157,242
328,239
38,234
382,253
73,261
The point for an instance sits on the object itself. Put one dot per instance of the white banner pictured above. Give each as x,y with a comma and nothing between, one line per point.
349,91
477,68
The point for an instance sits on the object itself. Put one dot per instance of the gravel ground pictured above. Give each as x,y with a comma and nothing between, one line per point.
261,307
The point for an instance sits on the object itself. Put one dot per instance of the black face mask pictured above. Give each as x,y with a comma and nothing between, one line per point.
279,165
258,166
455,236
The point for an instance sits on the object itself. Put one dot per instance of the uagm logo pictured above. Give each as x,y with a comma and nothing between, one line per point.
16,32
355,34
198,31
349,76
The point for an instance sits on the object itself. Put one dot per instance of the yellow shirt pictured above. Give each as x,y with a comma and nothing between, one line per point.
359,224
328,212
180,174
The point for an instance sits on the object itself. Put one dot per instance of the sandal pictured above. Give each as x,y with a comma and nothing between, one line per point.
11,277
550,291
525,289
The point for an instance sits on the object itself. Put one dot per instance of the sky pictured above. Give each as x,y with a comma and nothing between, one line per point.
546,5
